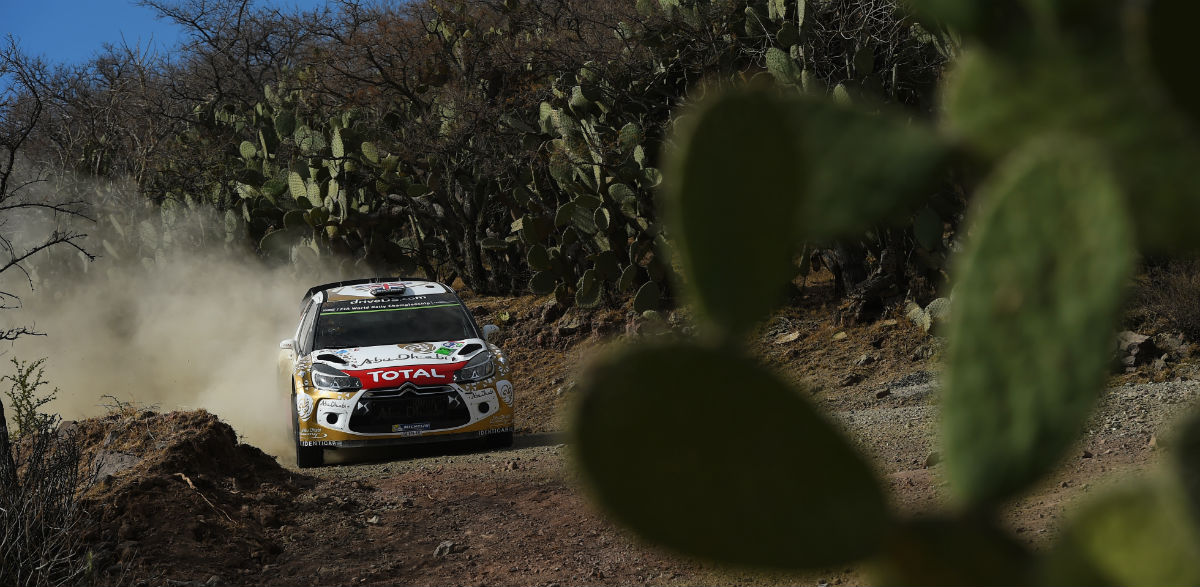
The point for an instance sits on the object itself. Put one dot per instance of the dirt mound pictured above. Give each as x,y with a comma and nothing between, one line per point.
177,497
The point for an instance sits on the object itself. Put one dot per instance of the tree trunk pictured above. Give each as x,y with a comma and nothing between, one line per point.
870,296
475,276
8,466
848,265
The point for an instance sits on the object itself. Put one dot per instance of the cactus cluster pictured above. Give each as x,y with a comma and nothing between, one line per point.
595,200
1076,112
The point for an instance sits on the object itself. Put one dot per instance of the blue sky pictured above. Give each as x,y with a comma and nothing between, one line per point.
70,31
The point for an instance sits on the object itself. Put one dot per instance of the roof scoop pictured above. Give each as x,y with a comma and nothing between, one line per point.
388,289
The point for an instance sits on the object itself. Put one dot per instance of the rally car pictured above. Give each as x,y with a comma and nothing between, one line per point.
392,361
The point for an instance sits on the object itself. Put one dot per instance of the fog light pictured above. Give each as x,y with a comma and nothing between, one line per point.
331,418
484,407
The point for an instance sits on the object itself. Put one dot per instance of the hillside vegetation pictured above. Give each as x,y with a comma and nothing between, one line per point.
512,144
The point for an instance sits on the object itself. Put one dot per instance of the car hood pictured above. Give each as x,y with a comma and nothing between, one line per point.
422,363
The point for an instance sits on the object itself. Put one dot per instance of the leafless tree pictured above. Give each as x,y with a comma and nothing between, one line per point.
31,221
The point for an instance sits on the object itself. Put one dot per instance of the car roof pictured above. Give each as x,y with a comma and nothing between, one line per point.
373,287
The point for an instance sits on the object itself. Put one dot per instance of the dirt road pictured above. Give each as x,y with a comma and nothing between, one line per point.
430,516
189,505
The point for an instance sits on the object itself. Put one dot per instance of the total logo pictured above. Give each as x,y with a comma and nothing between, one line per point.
394,374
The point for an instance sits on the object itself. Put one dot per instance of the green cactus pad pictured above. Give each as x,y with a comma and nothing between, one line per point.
583,218
783,490
588,290
1186,460
285,124
601,218
542,282
538,258
951,551
588,202
277,245
336,148
647,298
629,136
620,192
562,295
274,188
1139,534
1031,330
781,66
248,150
748,131
997,106
370,152
628,279
777,9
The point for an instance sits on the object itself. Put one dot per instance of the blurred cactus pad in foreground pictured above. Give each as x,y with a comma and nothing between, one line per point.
1080,119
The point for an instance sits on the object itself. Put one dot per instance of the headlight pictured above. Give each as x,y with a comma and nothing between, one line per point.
326,377
480,367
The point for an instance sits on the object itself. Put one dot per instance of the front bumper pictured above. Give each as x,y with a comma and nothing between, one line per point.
408,415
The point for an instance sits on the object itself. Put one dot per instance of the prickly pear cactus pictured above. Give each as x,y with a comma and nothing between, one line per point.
1082,122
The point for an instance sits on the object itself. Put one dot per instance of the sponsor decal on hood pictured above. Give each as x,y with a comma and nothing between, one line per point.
422,363
416,374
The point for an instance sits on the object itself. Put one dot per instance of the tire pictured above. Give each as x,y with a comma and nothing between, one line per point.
309,456
306,456
502,440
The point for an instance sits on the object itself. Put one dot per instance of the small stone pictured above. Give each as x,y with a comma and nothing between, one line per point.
1153,441
373,520
841,336
864,359
850,379
447,547
890,322
1087,454
786,338
933,459
883,393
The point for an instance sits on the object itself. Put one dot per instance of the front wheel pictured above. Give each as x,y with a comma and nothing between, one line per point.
309,456
306,456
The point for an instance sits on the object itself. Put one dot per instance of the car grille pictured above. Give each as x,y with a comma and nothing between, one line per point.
380,410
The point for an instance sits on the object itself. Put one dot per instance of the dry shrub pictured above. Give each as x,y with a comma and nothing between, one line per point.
1171,292
41,518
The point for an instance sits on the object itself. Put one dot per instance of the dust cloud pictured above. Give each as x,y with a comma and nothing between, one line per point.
191,329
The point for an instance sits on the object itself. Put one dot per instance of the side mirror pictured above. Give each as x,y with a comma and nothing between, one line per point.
489,330
288,344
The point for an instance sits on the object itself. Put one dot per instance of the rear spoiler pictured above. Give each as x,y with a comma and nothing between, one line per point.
313,290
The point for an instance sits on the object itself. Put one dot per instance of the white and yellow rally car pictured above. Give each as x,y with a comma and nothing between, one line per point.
392,361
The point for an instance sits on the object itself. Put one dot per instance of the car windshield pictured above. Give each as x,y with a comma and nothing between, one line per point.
338,327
